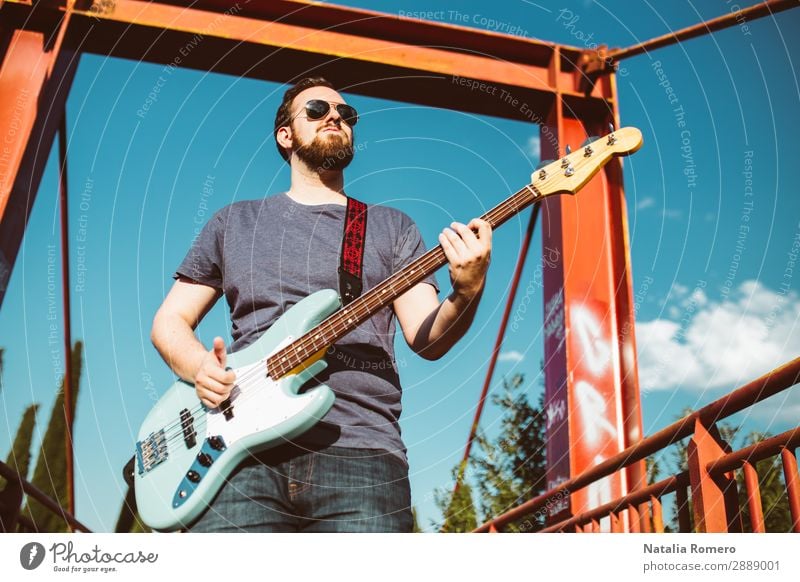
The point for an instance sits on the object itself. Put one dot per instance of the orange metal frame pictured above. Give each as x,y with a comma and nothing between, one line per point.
568,92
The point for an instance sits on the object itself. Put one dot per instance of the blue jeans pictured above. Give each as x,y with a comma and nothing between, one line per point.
334,489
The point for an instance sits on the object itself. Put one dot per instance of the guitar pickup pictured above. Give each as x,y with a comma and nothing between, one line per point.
226,408
187,424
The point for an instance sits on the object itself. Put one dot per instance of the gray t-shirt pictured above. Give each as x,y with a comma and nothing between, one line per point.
268,254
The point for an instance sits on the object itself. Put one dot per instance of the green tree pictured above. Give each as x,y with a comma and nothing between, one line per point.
507,470
458,510
11,494
415,527
511,468
50,473
20,456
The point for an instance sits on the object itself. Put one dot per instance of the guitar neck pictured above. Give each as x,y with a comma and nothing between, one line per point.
347,319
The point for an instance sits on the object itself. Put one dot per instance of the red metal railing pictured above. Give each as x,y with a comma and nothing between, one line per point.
9,508
714,494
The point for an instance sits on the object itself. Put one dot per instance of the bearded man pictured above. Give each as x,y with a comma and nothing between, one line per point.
349,472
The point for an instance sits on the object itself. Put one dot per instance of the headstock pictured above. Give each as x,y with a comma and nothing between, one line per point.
570,173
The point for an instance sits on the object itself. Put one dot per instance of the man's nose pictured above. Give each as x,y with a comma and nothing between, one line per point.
333,114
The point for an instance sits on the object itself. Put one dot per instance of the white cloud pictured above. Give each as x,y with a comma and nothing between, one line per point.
534,144
678,290
512,356
710,344
645,203
698,298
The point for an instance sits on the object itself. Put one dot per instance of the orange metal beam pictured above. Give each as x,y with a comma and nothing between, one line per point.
733,18
37,65
365,52
756,452
713,497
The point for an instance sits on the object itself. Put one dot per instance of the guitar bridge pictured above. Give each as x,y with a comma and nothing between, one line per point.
152,451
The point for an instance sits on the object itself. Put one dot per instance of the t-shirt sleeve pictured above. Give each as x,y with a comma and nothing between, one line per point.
409,247
203,263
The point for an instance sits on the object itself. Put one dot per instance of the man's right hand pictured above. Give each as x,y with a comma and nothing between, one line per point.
212,382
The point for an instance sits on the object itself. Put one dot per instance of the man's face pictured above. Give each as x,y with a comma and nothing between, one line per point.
324,144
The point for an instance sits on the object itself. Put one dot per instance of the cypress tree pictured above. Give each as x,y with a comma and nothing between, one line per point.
51,464
458,510
19,460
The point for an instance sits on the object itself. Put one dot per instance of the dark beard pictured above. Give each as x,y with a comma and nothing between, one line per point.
325,153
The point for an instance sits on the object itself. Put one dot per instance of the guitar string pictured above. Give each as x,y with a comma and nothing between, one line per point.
498,213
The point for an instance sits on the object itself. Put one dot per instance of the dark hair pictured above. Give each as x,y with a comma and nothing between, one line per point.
284,115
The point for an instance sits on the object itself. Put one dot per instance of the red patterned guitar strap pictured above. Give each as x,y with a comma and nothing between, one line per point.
350,265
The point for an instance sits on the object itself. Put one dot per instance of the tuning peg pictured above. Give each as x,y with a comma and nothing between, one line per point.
564,160
542,171
611,139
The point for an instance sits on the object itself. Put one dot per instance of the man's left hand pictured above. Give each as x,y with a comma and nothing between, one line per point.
468,254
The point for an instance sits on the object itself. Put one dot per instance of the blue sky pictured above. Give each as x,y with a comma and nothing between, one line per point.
712,254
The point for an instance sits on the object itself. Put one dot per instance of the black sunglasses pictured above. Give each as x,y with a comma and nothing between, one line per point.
317,109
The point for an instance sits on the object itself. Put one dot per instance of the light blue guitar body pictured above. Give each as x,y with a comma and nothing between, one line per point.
185,451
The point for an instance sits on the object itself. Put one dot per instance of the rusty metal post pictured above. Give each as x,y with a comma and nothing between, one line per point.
616,524
792,486
714,499
591,381
753,498
68,406
658,520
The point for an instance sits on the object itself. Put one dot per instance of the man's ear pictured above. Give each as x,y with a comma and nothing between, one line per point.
285,137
